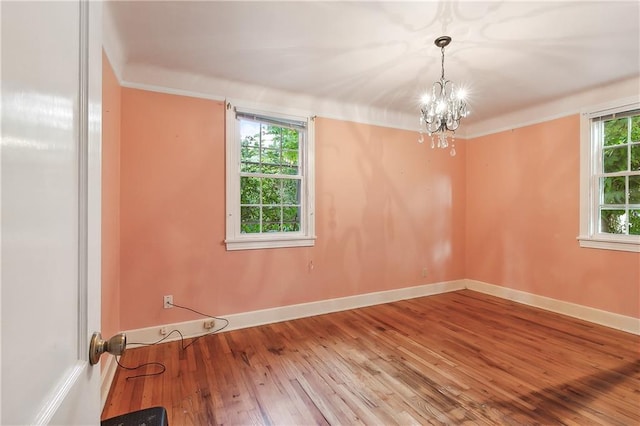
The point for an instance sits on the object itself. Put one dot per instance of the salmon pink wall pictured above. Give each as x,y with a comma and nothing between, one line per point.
110,293
386,207
522,220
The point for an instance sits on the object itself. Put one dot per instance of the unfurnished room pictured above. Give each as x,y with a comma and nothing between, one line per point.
320,213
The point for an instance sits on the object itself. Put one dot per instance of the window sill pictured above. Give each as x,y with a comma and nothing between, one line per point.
253,243
608,244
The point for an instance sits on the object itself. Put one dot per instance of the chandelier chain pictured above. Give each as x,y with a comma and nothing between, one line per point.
442,50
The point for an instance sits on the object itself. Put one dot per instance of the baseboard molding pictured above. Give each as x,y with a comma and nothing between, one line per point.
285,313
597,316
106,377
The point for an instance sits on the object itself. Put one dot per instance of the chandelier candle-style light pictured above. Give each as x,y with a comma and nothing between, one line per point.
442,108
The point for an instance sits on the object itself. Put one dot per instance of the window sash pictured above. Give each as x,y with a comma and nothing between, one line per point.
599,201
263,207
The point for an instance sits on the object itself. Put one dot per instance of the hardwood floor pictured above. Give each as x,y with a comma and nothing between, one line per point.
454,358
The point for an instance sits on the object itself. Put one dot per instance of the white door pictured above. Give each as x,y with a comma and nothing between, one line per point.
50,171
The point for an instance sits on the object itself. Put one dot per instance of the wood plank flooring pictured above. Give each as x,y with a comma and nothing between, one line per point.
455,358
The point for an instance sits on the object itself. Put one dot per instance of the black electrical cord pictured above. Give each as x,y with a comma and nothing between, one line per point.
146,364
226,324
182,345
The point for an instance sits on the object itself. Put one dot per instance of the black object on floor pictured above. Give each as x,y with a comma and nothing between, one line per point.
154,416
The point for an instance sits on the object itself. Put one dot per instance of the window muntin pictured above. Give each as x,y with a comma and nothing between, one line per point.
270,179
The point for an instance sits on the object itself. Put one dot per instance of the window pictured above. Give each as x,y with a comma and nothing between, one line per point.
610,172
270,199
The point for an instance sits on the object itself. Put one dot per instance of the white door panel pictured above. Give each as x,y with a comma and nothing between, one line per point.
49,241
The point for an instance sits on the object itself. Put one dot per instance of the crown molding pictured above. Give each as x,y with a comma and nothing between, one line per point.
111,44
149,77
569,105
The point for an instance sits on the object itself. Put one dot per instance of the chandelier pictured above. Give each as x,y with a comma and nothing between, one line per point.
442,108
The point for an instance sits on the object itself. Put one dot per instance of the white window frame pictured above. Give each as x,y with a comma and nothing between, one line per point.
590,164
236,240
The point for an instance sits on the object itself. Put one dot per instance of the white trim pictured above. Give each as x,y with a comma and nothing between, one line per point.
291,312
111,43
253,243
586,171
234,239
590,242
170,91
597,316
563,107
109,368
589,166
83,183
148,77
170,81
165,80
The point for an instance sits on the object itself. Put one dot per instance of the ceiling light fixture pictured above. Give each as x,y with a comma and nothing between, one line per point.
442,108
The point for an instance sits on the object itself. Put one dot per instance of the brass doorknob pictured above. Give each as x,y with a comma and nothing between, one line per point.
115,346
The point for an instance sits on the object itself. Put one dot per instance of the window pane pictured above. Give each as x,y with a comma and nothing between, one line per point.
291,214
250,214
613,190
291,219
270,161
616,131
635,128
290,139
271,191
250,159
271,137
614,159
290,157
290,227
291,191
249,190
634,189
634,222
635,156
253,228
271,227
249,133
250,220
271,218
612,221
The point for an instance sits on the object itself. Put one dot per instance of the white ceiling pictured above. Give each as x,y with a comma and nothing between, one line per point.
511,55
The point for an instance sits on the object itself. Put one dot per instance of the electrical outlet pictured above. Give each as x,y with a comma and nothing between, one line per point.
209,324
425,272
163,331
167,302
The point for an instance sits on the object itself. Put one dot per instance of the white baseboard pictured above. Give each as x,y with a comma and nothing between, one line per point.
106,377
284,313
597,316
